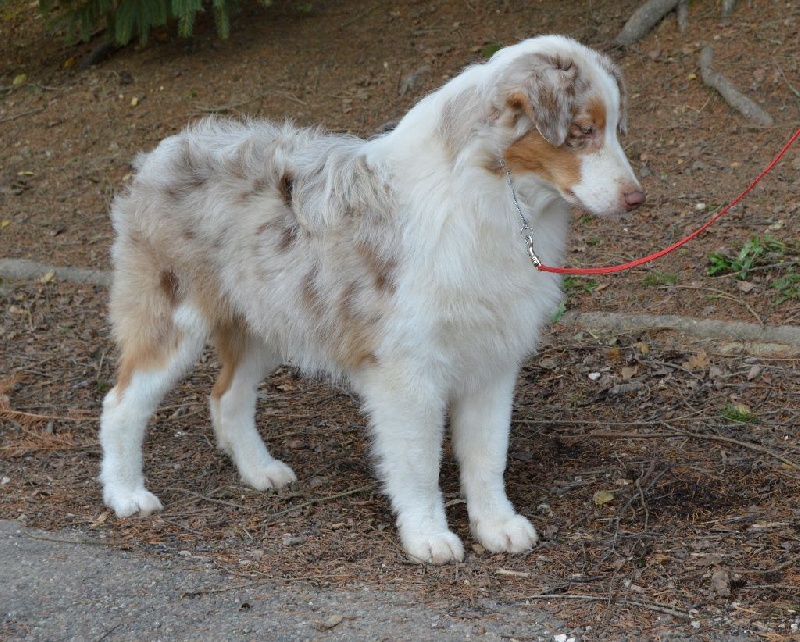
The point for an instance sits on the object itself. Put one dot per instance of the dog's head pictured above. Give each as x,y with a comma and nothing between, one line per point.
564,105
552,109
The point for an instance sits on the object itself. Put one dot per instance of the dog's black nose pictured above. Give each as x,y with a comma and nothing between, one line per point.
634,198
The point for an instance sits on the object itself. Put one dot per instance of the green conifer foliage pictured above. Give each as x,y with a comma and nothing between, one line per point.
124,20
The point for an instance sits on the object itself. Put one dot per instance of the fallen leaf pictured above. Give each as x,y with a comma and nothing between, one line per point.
697,361
658,559
628,373
4,223
642,347
20,79
47,276
602,497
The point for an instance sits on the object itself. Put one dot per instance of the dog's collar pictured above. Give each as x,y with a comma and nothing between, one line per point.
526,231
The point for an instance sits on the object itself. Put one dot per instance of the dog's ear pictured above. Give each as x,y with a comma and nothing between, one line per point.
546,94
614,71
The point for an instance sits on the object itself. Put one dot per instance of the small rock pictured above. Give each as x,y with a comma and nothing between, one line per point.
745,286
293,540
332,621
721,583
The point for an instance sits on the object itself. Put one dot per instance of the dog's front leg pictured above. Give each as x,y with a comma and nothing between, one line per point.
408,425
480,423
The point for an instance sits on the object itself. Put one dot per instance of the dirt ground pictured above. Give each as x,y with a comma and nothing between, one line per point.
660,471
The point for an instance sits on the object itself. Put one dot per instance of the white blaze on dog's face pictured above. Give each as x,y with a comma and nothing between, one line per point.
573,112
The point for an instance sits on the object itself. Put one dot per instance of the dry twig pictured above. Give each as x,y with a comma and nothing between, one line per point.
8,119
317,500
659,608
29,418
682,433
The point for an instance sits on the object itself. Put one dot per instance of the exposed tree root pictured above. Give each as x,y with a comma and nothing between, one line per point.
729,92
643,20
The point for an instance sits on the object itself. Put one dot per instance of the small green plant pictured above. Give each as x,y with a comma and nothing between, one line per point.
767,255
739,413
749,257
561,310
655,279
304,8
573,284
788,287
487,51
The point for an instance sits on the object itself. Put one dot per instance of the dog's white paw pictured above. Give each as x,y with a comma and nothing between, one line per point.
129,502
275,474
434,548
513,534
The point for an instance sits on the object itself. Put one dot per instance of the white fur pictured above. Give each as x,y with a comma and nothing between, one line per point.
394,264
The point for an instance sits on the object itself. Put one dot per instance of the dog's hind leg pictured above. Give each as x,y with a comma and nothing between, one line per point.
245,363
480,423
151,364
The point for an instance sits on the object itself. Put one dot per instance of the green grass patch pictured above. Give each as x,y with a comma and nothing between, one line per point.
655,279
739,413
572,284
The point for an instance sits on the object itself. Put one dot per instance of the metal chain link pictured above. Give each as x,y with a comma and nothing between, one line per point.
526,231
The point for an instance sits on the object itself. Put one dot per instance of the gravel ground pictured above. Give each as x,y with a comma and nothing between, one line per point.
64,586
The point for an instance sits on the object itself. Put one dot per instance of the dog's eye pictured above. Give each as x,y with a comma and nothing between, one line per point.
586,130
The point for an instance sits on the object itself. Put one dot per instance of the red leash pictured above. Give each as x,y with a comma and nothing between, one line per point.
674,246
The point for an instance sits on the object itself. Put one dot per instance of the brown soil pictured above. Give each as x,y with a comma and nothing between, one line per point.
701,532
